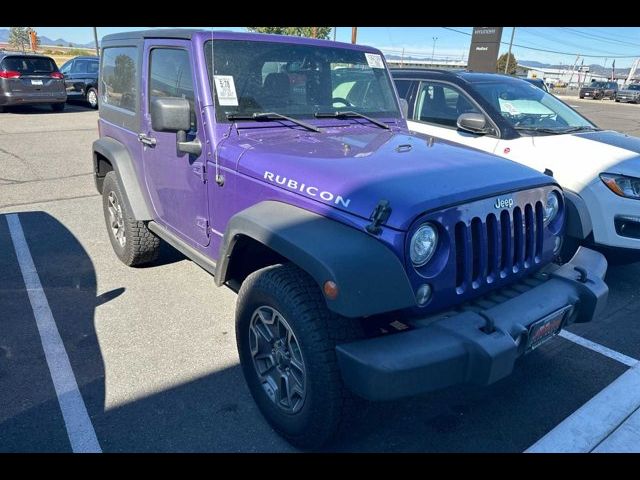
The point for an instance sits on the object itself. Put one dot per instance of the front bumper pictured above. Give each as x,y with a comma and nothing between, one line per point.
455,350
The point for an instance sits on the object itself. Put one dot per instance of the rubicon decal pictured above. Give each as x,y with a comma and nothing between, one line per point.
503,203
309,190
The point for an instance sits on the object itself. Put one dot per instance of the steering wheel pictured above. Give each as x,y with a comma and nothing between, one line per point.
341,100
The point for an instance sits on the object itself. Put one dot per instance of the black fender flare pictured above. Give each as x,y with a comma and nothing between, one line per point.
122,164
370,277
578,223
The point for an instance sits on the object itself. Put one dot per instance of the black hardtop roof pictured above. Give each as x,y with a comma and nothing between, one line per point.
180,33
10,53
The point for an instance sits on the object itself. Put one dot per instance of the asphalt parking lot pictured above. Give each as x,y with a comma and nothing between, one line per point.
153,349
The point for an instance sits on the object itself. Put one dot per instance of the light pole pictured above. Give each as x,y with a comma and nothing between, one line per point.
433,51
95,38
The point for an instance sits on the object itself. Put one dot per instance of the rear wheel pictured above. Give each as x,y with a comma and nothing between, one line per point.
286,340
132,241
58,107
92,97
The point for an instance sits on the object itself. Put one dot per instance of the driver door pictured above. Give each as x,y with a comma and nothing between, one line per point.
437,108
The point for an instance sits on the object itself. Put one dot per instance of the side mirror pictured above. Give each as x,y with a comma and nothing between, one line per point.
473,122
173,114
404,108
170,114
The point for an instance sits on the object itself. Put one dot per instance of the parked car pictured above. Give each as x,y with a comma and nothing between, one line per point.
368,262
599,90
81,79
29,79
598,170
538,82
629,94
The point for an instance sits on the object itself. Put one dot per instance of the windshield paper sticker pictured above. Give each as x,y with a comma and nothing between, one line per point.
226,90
509,108
374,60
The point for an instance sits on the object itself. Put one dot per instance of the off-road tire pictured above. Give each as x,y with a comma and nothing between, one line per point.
58,107
141,245
92,93
328,405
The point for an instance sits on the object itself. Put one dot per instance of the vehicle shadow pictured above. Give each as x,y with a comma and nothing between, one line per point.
71,107
30,417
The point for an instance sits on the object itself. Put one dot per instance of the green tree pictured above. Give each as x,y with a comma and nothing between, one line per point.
502,63
321,32
18,38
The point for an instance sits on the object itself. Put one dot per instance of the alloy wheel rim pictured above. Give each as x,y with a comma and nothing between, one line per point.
277,359
93,99
116,219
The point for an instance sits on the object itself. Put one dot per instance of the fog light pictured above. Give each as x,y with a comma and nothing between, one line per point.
557,244
423,294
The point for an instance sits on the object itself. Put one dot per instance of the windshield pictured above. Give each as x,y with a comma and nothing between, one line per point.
297,80
634,87
29,65
524,105
596,85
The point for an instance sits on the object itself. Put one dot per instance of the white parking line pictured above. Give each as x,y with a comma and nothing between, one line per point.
74,412
589,426
596,347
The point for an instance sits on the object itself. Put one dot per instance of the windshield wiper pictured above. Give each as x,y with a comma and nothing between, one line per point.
270,116
556,131
583,128
351,114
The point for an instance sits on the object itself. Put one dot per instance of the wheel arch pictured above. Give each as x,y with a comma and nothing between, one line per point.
108,155
369,276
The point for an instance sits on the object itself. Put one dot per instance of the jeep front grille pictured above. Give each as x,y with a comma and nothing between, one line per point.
497,245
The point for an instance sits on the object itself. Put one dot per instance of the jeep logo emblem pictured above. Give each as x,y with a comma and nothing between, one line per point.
503,203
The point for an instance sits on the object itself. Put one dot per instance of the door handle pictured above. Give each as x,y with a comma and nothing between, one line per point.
146,140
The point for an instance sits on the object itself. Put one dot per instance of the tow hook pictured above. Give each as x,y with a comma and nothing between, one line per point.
583,274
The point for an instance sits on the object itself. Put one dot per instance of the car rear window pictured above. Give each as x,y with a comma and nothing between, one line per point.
29,65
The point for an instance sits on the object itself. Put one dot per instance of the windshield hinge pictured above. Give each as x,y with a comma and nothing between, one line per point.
199,170
203,224
379,215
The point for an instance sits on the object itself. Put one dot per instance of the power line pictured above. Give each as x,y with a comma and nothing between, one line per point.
549,51
543,34
599,37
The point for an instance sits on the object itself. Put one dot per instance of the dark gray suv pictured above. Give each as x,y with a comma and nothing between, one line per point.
27,79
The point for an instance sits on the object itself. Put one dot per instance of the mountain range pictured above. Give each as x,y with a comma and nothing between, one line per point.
44,40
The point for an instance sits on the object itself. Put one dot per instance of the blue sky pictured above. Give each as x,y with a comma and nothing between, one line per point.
601,42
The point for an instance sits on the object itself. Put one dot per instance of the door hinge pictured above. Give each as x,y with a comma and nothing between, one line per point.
199,170
203,224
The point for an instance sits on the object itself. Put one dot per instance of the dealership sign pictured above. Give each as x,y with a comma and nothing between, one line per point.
485,45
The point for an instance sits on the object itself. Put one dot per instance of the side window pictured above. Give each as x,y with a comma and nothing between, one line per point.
170,76
66,68
118,86
93,66
441,104
403,88
79,66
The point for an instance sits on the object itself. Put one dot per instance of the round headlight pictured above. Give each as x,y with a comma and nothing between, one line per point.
423,244
551,208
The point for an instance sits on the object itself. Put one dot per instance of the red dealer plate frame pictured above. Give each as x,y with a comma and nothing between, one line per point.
546,328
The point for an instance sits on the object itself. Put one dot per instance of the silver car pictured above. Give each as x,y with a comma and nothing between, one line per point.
629,94
27,79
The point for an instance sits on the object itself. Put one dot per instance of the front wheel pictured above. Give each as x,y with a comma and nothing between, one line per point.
92,97
286,339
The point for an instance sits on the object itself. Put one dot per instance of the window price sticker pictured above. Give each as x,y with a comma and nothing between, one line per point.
226,90
374,60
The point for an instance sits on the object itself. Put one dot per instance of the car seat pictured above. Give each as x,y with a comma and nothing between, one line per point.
276,90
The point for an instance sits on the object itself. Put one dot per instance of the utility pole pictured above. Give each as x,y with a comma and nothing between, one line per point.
573,70
354,34
402,59
335,30
433,50
506,66
632,72
314,32
95,38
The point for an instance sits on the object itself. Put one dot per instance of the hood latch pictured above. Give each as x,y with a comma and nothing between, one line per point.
379,215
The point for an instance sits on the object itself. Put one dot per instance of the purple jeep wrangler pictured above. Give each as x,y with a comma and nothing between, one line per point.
369,262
